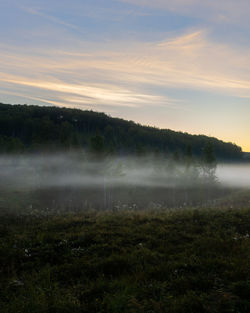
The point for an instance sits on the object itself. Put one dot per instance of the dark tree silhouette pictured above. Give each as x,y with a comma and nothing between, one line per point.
37,128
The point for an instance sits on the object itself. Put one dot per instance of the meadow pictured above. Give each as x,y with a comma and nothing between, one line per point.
175,261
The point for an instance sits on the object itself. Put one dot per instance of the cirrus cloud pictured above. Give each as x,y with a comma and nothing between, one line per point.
230,11
123,73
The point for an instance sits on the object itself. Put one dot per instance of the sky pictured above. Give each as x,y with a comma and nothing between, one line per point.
176,64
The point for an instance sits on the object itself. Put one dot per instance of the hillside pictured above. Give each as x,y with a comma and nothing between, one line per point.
32,128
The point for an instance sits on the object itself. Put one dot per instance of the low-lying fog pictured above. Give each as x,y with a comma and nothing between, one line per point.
234,175
81,170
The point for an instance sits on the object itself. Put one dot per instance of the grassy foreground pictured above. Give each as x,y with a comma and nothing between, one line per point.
187,261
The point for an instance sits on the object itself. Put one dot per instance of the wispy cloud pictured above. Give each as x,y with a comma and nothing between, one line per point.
126,74
51,18
88,93
229,11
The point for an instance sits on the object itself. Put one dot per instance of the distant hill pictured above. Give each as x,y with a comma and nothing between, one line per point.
31,128
246,155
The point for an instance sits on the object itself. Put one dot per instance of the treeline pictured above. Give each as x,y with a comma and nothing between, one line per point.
32,128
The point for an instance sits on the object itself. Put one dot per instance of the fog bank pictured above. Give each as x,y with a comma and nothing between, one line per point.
82,170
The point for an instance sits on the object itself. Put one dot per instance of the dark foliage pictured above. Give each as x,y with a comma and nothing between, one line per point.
176,262
32,128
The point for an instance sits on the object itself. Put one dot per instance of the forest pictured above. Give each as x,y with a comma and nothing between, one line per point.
27,128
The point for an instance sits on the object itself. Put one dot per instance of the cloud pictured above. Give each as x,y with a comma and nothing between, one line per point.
51,18
130,74
86,94
229,11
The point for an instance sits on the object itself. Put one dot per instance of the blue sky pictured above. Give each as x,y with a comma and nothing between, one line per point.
179,64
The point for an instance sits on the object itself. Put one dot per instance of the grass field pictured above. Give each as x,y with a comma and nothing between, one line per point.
175,261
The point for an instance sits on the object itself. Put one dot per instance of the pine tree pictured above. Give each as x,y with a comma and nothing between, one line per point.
209,164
